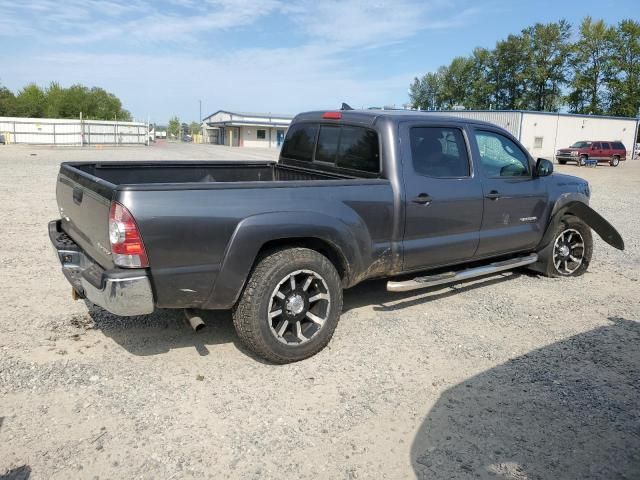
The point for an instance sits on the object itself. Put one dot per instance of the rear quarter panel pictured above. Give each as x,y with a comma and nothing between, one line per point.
202,242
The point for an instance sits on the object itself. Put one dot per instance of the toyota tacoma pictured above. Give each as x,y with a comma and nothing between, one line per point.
422,199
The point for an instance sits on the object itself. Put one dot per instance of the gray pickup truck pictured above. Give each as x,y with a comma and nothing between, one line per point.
355,195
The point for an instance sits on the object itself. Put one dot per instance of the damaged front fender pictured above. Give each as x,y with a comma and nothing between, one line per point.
588,215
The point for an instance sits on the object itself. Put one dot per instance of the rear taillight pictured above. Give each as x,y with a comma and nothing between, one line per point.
127,248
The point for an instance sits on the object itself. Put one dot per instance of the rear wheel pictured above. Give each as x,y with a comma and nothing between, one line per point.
582,161
291,305
615,161
569,253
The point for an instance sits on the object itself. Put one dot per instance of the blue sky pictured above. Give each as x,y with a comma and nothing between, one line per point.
284,56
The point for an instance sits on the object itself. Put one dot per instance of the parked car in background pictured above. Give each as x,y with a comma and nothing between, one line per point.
612,152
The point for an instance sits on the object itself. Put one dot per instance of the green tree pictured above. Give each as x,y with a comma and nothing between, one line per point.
7,103
545,72
195,128
456,87
30,101
624,85
480,95
425,92
592,65
506,72
173,128
54,98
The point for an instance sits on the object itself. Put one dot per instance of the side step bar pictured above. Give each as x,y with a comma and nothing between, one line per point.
450,277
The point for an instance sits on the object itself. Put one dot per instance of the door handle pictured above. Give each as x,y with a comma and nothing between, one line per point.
422,199
493,195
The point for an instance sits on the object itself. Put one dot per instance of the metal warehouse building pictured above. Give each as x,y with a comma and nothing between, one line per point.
543,133
242,129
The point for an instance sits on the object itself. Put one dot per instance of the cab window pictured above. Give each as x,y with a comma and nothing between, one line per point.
439,152
500,156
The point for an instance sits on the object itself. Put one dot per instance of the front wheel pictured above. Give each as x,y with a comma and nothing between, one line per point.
582,161
290,306
569,253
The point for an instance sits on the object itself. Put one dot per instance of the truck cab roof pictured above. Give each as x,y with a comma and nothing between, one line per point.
369,117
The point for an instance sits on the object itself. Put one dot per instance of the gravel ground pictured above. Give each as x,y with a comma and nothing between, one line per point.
513,376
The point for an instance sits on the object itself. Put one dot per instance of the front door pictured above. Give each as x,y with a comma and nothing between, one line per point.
514,199
443,196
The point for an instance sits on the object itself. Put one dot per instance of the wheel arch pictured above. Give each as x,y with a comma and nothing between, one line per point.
593,219
257,235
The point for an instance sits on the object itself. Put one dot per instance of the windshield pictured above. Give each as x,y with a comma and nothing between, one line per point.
581,144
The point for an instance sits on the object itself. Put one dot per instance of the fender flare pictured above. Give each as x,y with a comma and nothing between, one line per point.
252,233
588,215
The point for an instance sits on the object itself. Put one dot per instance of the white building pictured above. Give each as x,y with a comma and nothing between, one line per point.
543,133
242,129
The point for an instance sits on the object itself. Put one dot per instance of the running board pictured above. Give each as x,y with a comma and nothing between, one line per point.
450,277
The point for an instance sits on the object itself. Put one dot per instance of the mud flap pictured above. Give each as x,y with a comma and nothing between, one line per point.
598,224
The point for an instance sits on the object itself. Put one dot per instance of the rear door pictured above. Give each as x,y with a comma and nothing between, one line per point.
596,151
443,195
514,200
607,152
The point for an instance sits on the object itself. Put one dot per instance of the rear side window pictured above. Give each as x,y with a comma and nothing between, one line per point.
439,152
618,146
358,149
300,141
606,146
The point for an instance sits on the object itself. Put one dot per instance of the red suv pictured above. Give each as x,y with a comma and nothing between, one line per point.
600,151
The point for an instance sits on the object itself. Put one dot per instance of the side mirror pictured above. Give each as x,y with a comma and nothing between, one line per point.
544,167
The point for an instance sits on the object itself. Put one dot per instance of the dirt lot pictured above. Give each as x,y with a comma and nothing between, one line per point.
513,376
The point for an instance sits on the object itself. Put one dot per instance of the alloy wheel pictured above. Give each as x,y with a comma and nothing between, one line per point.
299,306
568,251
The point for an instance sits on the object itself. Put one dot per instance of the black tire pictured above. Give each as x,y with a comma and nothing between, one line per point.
546,264
562,162
615,161
253,315
582,161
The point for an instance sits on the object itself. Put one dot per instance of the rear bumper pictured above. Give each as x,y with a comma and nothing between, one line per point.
121,292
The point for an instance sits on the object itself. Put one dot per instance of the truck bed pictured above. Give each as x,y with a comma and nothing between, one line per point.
140,173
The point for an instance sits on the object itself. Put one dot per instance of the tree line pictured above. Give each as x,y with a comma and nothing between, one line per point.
546,67
55,101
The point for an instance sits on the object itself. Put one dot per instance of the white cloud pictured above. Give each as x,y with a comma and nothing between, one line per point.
163,74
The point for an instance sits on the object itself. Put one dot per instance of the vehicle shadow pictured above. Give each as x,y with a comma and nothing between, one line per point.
20,473
567,410
374,292
166,330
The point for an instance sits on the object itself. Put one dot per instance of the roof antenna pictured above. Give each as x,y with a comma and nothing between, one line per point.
345,106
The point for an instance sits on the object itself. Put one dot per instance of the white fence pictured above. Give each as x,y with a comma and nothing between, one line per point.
55,131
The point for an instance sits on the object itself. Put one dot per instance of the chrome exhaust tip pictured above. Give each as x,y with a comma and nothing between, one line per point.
194,319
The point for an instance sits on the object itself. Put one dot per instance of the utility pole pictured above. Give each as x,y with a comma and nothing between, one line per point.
200,116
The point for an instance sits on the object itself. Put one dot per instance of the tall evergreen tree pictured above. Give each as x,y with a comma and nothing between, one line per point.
624,85
547,53
592,65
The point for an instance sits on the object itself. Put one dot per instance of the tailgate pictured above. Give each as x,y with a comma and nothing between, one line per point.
84,202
